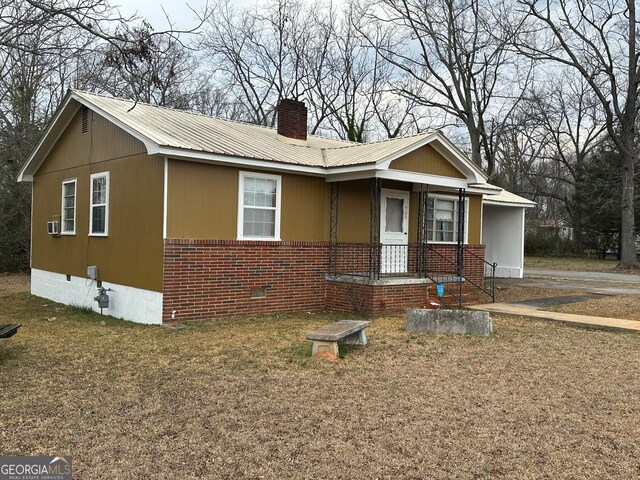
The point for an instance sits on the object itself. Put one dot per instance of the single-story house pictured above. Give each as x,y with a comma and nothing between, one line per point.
185,216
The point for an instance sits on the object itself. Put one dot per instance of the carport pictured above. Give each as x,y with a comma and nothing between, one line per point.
503,232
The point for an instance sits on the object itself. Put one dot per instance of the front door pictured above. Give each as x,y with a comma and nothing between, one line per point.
394,231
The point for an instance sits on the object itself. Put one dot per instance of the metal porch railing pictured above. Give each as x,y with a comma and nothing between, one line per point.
441,264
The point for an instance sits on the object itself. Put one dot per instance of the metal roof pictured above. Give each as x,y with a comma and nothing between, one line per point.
179,129
506,198
167,127
183,134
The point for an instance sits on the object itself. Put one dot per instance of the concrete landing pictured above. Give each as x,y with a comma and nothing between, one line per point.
583,320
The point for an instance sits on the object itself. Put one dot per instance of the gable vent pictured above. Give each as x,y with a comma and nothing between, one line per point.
85,119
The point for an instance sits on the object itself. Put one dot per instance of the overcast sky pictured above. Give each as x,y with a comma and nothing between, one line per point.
177,10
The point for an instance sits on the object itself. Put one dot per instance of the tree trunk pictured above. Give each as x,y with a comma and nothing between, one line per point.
476,153
577,246
628,257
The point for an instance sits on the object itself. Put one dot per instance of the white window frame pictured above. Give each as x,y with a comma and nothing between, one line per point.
106,204
75,207
466,218
241,206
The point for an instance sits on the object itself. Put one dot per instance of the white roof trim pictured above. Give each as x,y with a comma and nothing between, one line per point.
494,203
483,191
149,144
425,178
22,175
451,153
384,163
460,155
240,161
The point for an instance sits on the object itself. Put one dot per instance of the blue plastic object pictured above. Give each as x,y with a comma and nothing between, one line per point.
440,290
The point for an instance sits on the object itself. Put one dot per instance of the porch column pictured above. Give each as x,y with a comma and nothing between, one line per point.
374,229
333,229
423,228
460,246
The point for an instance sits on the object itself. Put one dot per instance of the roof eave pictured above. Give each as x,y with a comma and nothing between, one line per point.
507,204
180,153
46,142
58,125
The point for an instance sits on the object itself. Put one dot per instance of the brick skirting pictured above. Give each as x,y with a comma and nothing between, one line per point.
364,298
225,278
206,279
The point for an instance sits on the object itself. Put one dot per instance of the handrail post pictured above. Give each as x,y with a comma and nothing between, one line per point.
493,282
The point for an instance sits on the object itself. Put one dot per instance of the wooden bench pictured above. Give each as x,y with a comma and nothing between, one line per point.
326,338
9,330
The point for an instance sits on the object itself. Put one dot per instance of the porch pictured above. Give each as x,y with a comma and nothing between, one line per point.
467,278
406,256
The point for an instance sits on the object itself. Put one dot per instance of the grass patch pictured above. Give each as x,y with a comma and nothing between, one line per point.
618,306
241,398
570,264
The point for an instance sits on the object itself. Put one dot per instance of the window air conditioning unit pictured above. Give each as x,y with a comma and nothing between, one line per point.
52,228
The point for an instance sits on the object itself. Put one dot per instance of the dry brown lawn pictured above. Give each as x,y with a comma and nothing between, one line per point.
618,306
13,283
571,264
242,399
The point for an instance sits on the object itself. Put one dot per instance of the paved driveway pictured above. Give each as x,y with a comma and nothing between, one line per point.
596,282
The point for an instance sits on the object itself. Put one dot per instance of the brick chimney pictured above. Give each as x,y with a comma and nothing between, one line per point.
292,119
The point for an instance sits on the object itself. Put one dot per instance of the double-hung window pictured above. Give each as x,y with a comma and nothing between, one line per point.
99,208
68,214
442,219
259,206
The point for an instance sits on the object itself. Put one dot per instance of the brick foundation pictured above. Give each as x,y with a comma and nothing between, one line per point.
223,278
373,299
206,279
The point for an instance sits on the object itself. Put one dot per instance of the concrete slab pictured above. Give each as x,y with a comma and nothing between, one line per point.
582,320
462,322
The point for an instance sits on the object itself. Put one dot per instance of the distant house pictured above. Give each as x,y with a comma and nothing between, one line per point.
186,216
551,228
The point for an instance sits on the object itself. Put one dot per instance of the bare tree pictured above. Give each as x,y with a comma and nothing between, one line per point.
214,100
356,75
151,69
454,58
259,53
33,76
599,41
400,116
549,136
43,47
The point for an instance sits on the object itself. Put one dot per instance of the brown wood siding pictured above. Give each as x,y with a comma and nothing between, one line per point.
305,209
475,219
203,204
354,211
132,253
426,160
103,141
202,201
